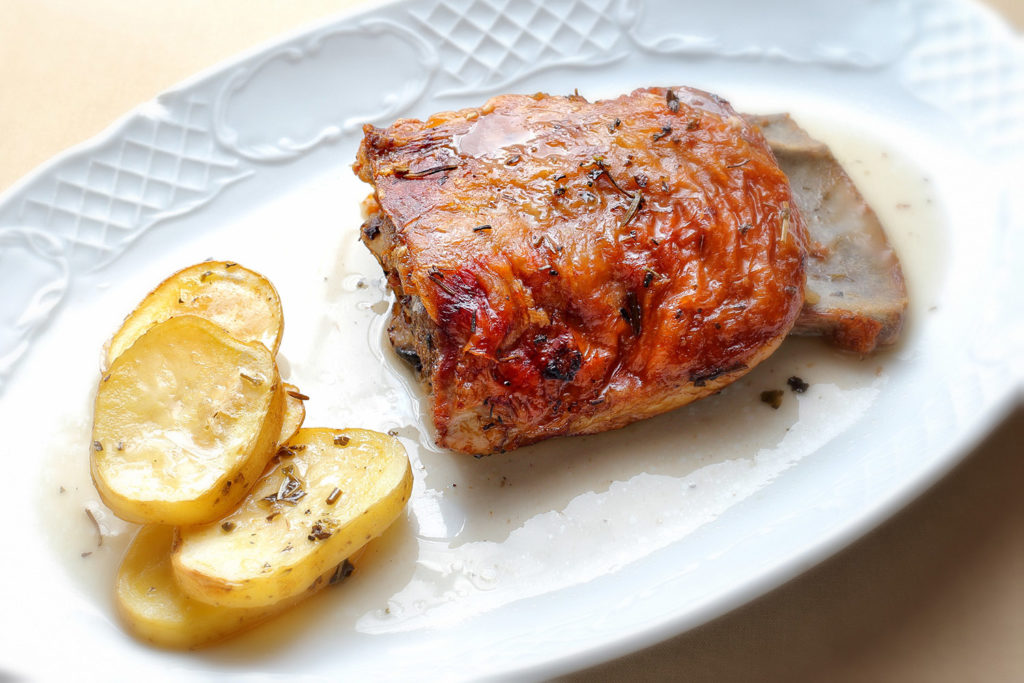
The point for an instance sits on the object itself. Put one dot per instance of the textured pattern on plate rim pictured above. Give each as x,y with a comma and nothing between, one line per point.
86,210
848,35
176,154
342,117
486,45
972,67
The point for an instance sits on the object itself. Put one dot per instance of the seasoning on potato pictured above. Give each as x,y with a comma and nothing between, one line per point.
185,420
154,608
190,412
330,493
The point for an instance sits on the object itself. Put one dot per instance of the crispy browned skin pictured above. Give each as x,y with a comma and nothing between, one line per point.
568,267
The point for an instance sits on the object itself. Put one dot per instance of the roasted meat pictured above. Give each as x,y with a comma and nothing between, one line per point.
856,296
568,267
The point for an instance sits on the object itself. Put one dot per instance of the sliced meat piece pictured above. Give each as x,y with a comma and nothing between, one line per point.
855,291
568,267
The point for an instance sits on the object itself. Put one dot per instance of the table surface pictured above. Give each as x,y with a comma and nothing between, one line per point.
934,594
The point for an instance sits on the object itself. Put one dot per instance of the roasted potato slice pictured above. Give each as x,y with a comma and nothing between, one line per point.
154,608
294,412
185,422
340,489
241,301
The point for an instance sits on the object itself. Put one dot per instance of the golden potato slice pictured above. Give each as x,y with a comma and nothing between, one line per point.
154,608
185,421
294,412
241,301
341,489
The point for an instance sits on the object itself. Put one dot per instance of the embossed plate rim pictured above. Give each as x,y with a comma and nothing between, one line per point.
612,644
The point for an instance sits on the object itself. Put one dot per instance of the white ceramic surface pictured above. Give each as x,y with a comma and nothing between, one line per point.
571,552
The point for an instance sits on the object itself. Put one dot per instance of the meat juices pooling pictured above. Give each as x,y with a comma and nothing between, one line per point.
569,267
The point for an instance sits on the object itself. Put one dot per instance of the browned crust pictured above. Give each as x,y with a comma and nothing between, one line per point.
536,311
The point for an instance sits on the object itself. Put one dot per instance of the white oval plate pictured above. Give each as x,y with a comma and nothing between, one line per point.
571,552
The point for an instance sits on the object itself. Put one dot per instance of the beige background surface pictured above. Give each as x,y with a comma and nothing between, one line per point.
935,594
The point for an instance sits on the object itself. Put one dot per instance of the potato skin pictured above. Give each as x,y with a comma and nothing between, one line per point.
154,609
267,551
581,265
294,413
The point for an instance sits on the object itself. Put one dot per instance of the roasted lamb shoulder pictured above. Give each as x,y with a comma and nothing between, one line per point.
565,267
